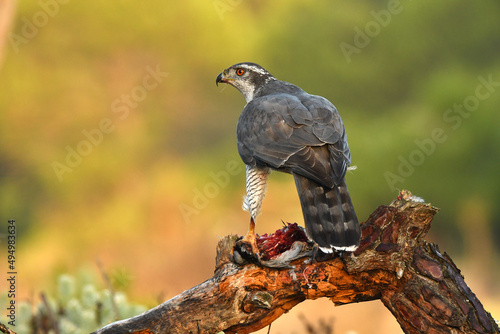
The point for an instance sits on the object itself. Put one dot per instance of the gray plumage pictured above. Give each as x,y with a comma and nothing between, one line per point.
286,129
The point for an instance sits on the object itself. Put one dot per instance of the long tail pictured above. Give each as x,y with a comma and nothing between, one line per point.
329,216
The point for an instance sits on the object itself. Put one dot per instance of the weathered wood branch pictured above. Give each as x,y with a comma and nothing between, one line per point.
421,286
5,329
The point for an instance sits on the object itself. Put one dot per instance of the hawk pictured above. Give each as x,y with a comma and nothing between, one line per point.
284,128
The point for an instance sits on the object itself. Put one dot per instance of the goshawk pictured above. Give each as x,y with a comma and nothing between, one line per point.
284,128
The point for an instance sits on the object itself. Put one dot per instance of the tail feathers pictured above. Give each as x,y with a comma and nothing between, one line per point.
329,215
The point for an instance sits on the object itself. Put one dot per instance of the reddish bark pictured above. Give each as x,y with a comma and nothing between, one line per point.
422,287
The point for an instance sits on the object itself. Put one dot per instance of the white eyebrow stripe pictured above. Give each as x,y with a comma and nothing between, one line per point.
254,68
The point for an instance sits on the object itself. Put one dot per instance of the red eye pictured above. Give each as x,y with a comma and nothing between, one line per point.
240,72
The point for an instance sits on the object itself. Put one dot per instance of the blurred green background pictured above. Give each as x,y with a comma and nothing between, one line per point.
116,144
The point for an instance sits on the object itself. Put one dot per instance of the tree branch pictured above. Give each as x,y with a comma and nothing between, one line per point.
422,287
5,329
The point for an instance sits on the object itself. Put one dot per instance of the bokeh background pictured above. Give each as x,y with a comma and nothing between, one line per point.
116,145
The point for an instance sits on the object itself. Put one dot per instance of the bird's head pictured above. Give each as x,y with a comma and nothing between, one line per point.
246,77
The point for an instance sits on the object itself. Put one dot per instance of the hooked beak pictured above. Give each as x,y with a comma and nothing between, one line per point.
220,78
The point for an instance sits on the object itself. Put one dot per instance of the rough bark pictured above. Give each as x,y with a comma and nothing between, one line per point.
421,286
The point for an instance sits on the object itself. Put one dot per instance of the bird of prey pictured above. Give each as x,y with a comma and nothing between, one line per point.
284,128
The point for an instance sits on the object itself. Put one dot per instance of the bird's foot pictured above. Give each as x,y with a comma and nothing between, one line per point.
248,250
248,245
318,256
251,241
314,252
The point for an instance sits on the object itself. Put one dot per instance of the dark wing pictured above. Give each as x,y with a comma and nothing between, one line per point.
299,134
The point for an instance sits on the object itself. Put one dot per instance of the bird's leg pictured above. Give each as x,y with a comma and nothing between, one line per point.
251,238
317,255
314,253
247,246
256,188
251,229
